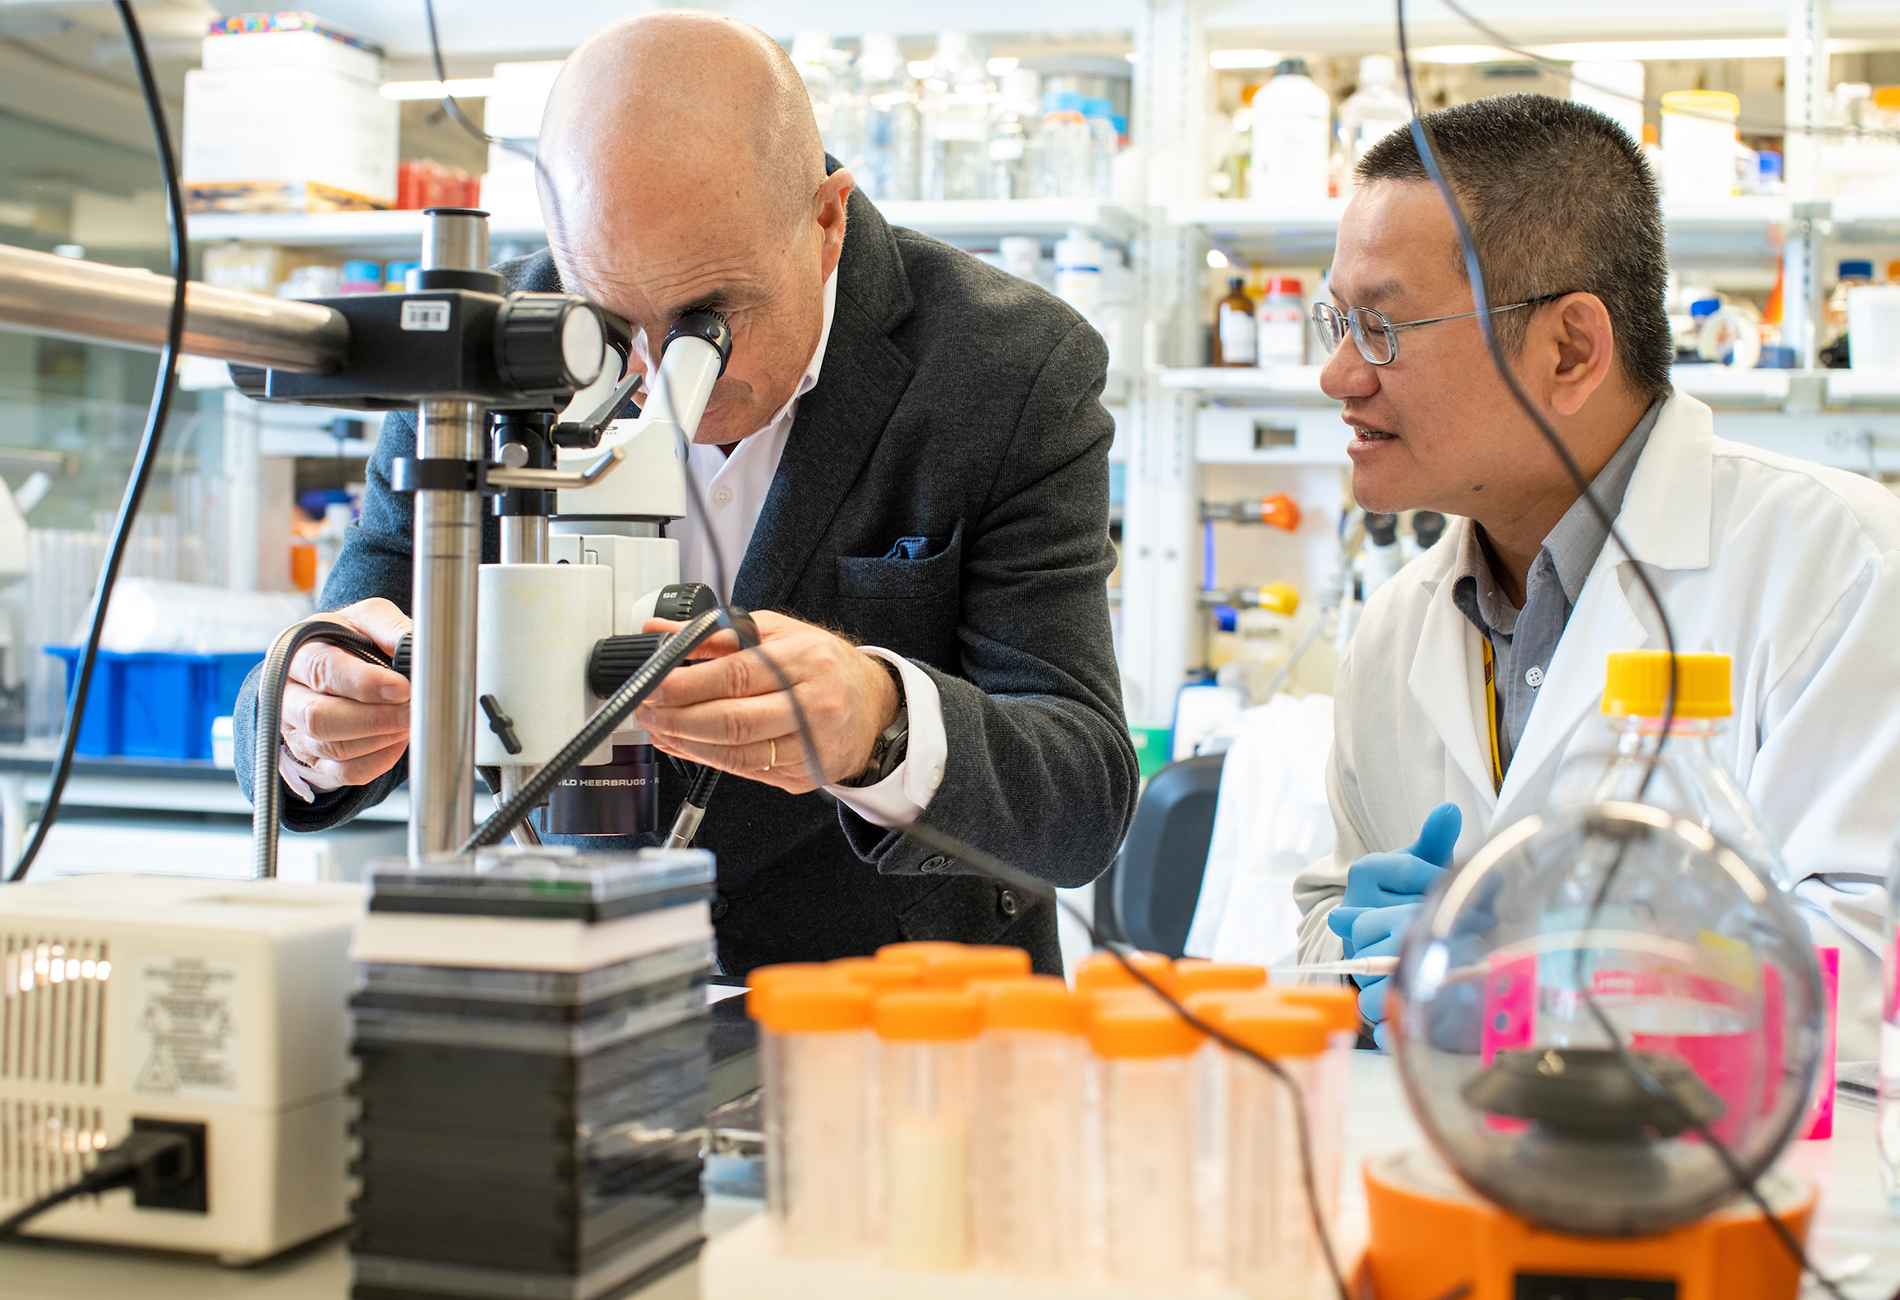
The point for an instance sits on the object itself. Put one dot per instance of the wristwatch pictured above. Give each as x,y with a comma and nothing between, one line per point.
892,743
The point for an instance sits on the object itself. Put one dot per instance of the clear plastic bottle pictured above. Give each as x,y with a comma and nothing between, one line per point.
1016,136
1147,1057
892,129
956,121
1272,1250
927,1040
1887,1121
1292,134
1028,1193
815,1062
1370,113
1689,779
1068,165
1105,143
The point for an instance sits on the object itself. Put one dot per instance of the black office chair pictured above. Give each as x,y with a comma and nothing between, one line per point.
1155,882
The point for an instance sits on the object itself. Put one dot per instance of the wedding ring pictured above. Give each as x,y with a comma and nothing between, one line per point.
772,755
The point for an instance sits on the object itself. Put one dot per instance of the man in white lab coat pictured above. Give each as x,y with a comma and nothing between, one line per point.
1790,568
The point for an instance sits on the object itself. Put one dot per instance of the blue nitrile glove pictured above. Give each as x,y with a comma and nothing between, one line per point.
1383,890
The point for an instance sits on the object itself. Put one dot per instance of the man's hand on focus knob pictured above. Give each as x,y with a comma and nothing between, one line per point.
730,713
347,720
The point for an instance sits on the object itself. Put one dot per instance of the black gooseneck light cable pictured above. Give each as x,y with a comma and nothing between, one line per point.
1744,1184
147,457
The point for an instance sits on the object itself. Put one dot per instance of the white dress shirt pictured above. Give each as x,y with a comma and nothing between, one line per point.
731,491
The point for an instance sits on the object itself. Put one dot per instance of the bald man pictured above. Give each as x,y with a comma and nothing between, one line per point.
904,469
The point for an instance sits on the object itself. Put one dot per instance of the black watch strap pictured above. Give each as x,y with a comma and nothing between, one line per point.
892,743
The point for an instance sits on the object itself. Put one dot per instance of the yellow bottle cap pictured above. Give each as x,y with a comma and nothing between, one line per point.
1701,102
1100,971
1198,975
1638,681
1281,597
1887,97
1270,1025
973,961
1134,1024
826,1006
1039,1002
1338,1003
926,1016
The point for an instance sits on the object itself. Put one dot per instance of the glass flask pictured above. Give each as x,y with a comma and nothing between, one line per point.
1591,1003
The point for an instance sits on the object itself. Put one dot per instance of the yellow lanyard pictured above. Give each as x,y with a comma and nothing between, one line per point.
1491,712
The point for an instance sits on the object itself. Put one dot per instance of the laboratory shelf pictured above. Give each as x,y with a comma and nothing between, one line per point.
1297,383
389,233
1715,385
1745,229
972,221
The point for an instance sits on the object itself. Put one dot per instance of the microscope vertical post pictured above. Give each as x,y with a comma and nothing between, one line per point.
448,555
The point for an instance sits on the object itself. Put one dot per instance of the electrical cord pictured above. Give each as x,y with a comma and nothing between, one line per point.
1421,139
521,145
153,1160
267,791
147,457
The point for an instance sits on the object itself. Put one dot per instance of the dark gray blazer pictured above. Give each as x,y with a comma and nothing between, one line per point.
958,404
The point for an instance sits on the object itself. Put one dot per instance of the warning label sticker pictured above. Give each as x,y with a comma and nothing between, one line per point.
185,1040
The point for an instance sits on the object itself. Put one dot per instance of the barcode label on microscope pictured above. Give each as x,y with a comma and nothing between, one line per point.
425,315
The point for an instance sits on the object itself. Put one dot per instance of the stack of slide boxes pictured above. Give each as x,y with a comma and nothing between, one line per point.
532,1034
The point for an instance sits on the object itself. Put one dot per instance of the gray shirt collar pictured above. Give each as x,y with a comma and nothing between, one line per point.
1572,546
1578,538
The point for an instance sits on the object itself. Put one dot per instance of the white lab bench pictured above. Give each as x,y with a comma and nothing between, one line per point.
1853,1221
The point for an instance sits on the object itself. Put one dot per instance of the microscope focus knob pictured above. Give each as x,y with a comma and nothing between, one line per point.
684,601
616,658
548,342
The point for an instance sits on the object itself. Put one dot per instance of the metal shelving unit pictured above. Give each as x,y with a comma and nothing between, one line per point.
970,222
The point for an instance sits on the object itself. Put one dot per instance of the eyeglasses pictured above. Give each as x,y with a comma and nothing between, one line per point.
1376,336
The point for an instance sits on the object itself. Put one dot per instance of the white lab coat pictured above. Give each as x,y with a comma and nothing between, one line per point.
1790,568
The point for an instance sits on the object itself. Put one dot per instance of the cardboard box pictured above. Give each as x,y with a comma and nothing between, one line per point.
270,138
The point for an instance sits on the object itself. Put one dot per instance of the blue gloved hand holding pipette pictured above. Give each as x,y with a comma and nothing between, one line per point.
1383,893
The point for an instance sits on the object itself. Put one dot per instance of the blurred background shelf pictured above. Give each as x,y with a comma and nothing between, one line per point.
389,234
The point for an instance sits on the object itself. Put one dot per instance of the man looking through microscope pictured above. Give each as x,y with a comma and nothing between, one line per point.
906,445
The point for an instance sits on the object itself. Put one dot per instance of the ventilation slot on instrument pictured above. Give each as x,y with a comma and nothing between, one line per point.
52,1008
45,1146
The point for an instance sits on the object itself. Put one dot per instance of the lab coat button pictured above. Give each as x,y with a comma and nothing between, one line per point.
1534,677
722,496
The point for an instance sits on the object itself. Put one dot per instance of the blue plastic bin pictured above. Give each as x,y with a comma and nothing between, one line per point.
155,705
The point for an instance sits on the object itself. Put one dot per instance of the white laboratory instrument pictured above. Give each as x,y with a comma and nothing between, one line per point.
210,1007
582,569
